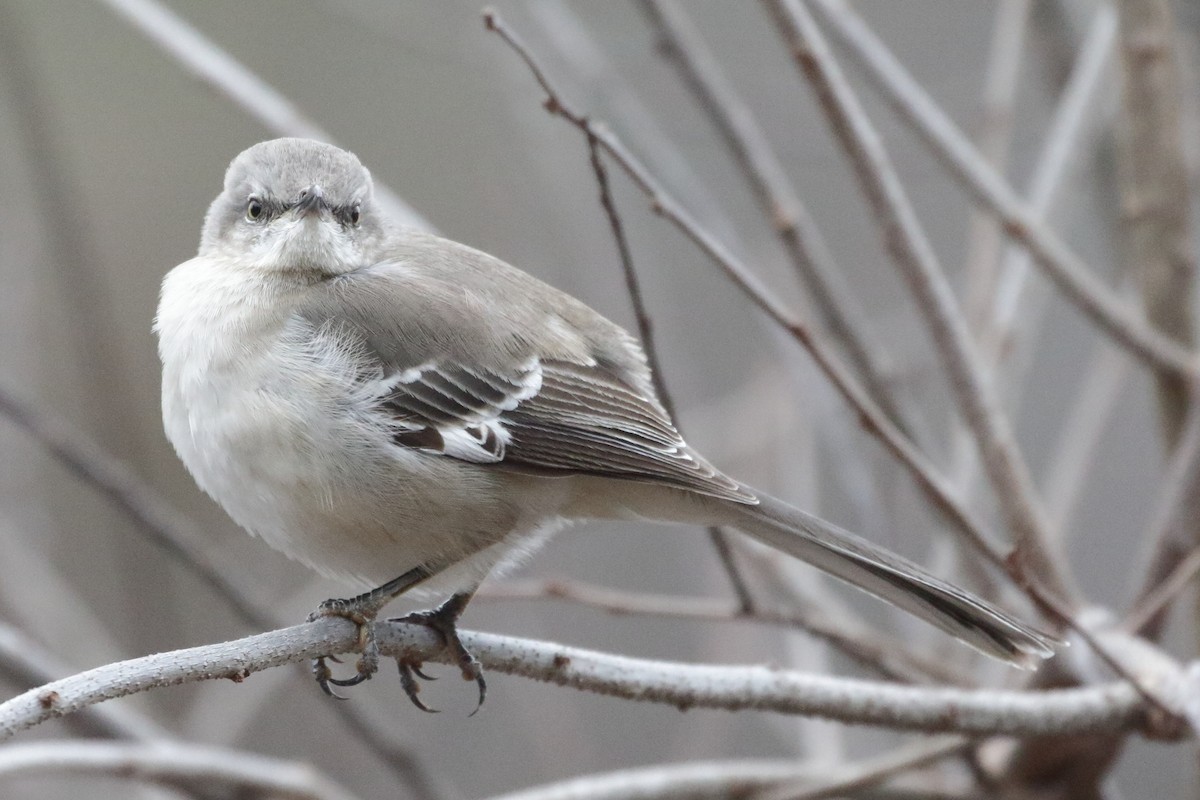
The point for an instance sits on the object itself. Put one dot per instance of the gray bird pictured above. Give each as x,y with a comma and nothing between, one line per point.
397,409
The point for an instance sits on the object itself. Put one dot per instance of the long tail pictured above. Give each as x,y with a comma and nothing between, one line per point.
890,578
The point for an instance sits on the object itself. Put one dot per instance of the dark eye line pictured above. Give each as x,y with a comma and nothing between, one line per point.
259,209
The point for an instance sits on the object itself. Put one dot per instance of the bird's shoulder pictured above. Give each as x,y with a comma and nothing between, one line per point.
425,298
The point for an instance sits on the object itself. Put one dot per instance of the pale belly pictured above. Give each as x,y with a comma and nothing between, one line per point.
275,422
321,482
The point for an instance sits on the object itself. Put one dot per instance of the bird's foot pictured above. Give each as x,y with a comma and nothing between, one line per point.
361,612
443,620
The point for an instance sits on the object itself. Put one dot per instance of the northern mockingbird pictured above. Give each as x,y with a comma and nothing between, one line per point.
394,408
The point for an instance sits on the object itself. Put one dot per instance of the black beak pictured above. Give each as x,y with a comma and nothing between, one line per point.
311,200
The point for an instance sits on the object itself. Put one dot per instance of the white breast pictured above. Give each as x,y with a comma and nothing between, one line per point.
262,411
218,341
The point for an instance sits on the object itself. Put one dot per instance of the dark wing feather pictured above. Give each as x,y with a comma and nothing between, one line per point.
548,415
440,334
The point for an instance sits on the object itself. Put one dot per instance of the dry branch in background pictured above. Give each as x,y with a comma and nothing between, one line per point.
802,240
1155,228
209,63
1079,727
191,768
719,537
871,417
760,779
1065,268
886,655
167,527
918,263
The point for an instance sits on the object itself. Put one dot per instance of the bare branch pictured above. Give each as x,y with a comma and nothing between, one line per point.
1105,707
1155,198
1062,145
205,60
853,778
872,418
633,287
1002,350
806,248
889,657
720,780
186,766
1064,267
1157,599
1171,532
153,515
162,523
919,265
994,136
694,780
593,72
1089,418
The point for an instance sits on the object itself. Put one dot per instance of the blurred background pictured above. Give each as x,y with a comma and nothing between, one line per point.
110,152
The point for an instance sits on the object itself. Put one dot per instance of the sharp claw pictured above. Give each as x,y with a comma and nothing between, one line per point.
421,674
482,693
443,620
411,687
324,678
368,662
358,678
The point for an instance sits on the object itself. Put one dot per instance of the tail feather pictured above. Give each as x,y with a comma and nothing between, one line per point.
890,578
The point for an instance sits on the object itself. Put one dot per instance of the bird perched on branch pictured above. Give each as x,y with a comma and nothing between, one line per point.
397,409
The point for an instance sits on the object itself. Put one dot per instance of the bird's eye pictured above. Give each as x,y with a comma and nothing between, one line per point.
355,215
254,209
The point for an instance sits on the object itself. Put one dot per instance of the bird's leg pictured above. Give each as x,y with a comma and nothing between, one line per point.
362,611
444,621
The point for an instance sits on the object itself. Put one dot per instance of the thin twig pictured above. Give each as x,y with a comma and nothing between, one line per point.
1010,337
155,518
994,136
645,326
633,284
1165,714
55,194
1008,355
855,777
1156,244
1060,150
1155,601
1062,265
205,60
181,539
1156,237
1171,529
186,766
885,655
1106,707
871,417
592,71
694,780
722,780
1087,421
806,248
919,265
722,543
